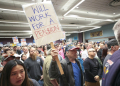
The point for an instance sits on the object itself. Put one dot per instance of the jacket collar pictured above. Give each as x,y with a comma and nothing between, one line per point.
68,61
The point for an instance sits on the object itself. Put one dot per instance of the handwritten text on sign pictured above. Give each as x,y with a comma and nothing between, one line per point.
15,40
23,42
43,22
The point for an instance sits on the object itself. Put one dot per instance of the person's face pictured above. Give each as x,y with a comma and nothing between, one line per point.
72,53
115,48
4,63
7,60
15,48
92,53
18,48
24,57
57,47
101,46
37,52
25,49
78,45
45,47
89,46
17,75
8,52
32,51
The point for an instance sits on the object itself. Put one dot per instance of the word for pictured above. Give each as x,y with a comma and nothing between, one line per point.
40,24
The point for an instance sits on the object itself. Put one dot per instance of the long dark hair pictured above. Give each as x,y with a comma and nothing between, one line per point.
104,52
5,77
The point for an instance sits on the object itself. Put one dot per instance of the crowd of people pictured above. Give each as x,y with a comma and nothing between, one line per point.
82,64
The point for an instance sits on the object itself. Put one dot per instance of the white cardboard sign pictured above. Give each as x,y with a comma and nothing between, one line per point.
23,42
15,40
43,22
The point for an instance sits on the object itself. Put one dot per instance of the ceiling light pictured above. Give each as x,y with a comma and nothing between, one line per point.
17,31
68,4
4,21
84,18
14,25
10,10
73,32
91,29
91,13
113,13
77,7
67,34
33,0
16,2
67,25
74,7
61,19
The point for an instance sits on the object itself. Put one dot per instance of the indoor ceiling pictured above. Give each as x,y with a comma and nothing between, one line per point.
75,16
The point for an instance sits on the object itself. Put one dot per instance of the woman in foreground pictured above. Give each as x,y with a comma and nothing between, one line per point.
14,74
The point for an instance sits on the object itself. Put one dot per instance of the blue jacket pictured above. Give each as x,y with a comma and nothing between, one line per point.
81,63
111,69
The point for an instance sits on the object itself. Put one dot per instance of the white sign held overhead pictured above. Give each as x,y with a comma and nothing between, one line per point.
43,22
15,40
23,42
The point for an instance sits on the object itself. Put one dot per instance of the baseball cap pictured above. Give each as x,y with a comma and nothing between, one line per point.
70,47
17,56
112,42
6,56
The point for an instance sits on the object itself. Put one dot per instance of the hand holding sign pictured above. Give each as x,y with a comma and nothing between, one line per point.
43,23
45,26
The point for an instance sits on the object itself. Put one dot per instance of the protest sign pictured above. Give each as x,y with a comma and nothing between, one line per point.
15,40
23,42
1,45
43,22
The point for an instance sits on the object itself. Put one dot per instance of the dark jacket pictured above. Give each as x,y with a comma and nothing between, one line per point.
117,80
34,68
111,71
68,71
18,52
99,53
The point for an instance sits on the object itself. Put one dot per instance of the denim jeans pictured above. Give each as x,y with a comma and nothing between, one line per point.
41,82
